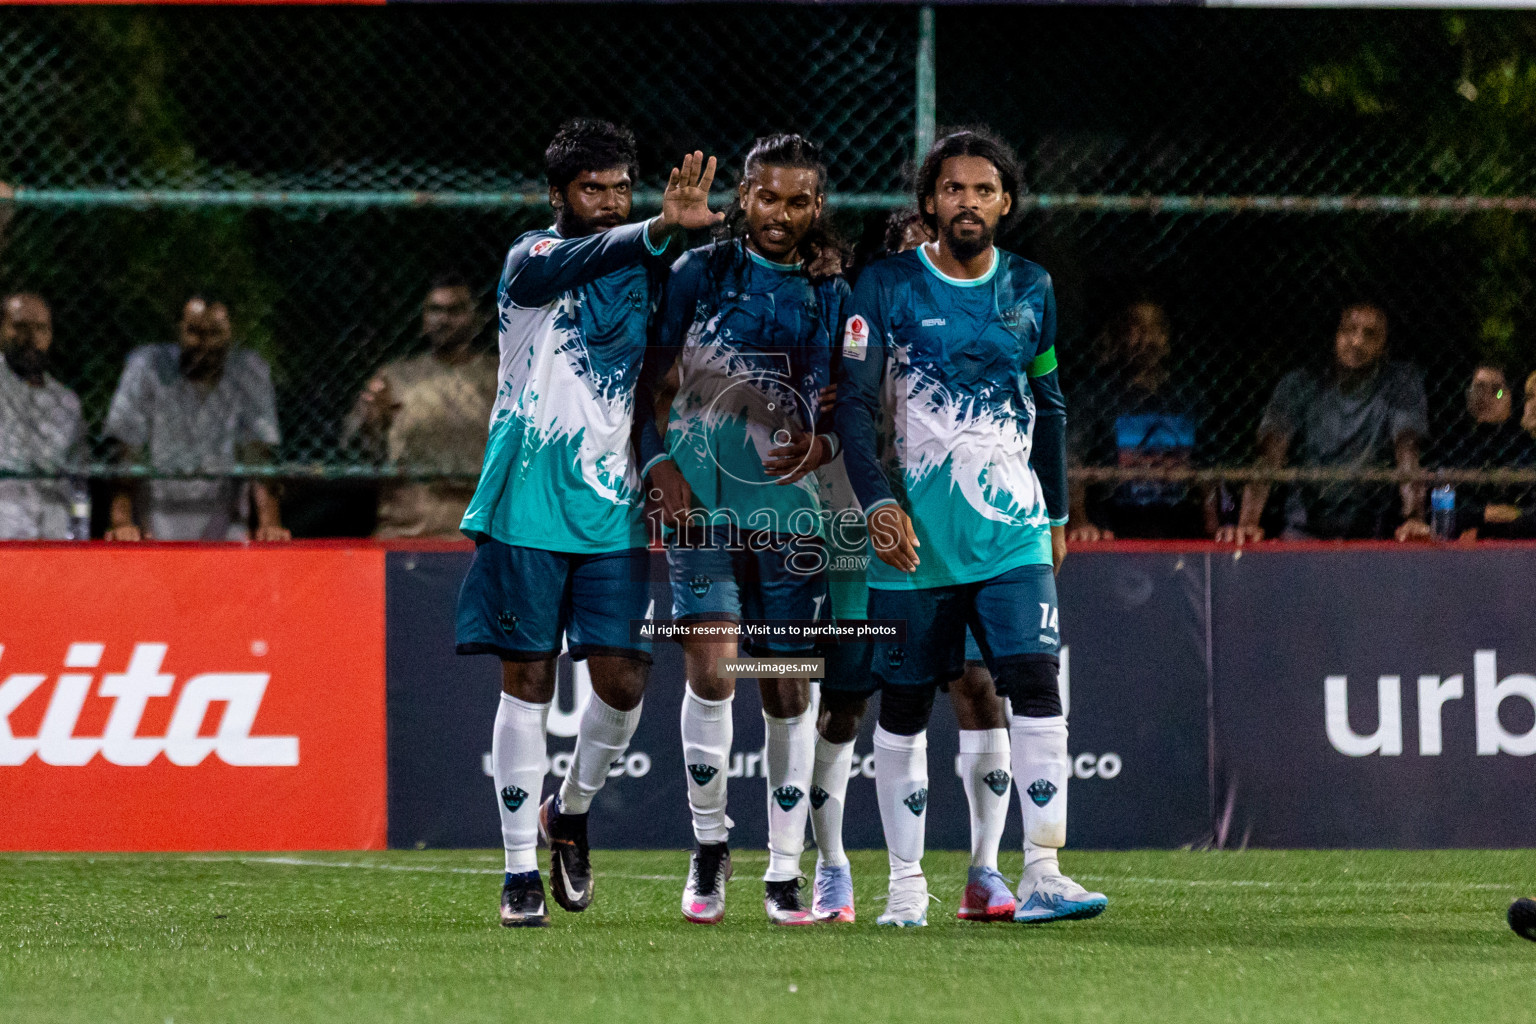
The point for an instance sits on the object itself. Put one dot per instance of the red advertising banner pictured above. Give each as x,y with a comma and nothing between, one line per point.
191,698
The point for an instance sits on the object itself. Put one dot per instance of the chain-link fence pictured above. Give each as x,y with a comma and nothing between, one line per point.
1248,173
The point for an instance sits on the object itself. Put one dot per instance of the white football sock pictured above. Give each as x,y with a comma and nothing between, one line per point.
601,740
1040,772
901,783
829,788
984,771
788,756
707,731
519,760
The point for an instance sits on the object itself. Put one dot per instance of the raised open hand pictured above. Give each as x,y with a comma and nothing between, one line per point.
685,203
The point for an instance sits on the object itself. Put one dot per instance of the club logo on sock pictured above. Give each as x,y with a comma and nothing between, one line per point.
700,584
513,797
787,796
1041,791
818,797
703,774
917,802
996,780
895,656
508,622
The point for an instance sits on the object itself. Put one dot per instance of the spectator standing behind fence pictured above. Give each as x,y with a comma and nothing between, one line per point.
40,428
199,406
1364,411
431,412
1133,414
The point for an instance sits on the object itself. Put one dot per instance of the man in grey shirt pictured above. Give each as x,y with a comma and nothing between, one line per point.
40,426
198,406
1362,412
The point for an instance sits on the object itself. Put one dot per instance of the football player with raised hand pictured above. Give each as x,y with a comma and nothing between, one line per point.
557,516
749,322
953,429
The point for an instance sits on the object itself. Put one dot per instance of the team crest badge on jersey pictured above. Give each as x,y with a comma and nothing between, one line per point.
513,797
700,585
508,622
1041,791
996,780
818,797
702,773
787,796
856,338
542,246
917,802
895,657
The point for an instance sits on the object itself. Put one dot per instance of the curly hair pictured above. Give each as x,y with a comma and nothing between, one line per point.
587,144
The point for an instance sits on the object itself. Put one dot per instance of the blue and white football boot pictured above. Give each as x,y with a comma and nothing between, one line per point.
1045,894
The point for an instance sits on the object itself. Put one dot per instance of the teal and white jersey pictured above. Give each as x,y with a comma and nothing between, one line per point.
751,340
942,384
560,471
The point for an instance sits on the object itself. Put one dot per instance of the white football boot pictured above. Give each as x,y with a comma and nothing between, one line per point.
906,903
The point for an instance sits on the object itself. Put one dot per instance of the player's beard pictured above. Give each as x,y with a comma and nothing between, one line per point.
573,225
969,247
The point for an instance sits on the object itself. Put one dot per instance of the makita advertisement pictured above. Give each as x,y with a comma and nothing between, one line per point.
1134,671
188,698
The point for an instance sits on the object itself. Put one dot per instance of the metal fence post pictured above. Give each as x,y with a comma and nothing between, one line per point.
927,86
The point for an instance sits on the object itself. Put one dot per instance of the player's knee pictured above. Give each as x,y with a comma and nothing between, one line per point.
1032,688
531,681
618,681
840,715
904,710
785,698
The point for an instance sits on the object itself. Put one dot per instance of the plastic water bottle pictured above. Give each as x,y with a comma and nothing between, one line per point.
79,510
1442,512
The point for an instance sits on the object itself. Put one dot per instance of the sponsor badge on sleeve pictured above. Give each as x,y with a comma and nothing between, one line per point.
856,338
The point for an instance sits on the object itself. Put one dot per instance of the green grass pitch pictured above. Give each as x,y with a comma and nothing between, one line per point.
382,937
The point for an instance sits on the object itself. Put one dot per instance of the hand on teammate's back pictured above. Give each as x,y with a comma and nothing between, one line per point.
892,536
671,492
791,462
828,398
